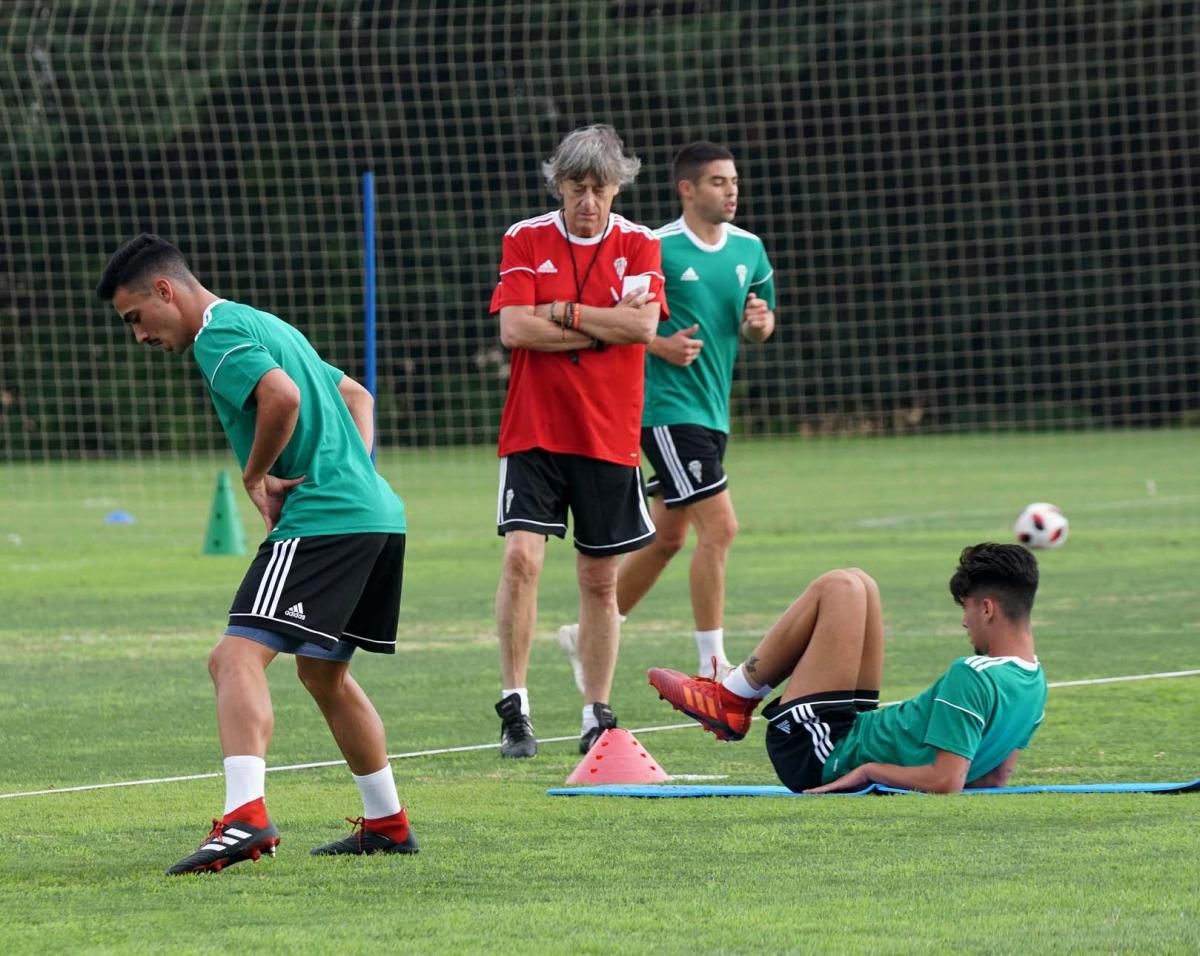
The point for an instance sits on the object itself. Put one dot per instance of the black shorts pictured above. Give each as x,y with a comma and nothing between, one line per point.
802,733
688,462
537,487
326,589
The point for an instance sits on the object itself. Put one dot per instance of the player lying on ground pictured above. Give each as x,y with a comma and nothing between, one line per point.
327,578
827,732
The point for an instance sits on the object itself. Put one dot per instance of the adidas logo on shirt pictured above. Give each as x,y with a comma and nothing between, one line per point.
689,275
785,726
547,268
296,611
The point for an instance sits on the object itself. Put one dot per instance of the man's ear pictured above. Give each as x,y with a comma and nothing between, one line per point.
163,289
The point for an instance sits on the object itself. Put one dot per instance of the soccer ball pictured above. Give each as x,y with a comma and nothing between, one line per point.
1041,525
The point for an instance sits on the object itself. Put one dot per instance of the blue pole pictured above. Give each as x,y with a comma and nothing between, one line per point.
368,186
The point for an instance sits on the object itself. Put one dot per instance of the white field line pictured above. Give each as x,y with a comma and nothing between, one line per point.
542,740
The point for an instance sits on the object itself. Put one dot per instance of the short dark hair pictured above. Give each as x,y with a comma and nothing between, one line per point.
690,161
137,260
1006,572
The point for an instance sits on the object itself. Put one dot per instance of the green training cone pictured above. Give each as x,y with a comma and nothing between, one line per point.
225,534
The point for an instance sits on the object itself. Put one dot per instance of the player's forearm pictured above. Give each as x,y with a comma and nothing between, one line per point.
999,776
929,778
621,325
522,327
275,423
363,414
757,334
658,348
361,405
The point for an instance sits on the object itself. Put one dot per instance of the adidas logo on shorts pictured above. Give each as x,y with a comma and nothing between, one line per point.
296,611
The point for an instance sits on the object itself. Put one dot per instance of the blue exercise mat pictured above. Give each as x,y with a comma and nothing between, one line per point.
677,790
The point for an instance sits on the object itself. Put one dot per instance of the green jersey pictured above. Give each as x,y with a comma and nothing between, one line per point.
706,285
982,708
341,493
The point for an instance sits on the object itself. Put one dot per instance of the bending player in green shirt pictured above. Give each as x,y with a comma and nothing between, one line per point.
721,290
327,579
827,732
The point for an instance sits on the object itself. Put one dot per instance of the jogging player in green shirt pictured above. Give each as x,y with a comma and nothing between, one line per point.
721,290
827,732
325,582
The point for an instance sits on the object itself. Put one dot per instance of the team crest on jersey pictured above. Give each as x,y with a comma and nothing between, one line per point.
696,469
508,497
619,264
742,272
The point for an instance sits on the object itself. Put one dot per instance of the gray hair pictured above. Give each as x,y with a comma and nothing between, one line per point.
595,151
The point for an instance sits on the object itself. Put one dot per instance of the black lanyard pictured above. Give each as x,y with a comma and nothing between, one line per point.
579,286
574,356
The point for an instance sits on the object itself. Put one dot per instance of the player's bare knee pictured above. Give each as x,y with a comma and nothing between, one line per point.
670,543
719,534
868,582
598,579
222,662
839,583
522,564
320,679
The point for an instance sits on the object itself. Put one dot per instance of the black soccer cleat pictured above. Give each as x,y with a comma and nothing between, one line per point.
363,842
227,844
605,720
516,732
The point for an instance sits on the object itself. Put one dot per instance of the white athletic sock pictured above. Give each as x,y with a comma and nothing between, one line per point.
710,644
622,618
589,719
378,792
521,692
245,780
738,683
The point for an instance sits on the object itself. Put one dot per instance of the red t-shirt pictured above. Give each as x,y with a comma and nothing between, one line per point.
590,405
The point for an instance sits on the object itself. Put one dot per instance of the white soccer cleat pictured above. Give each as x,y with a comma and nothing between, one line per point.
568,640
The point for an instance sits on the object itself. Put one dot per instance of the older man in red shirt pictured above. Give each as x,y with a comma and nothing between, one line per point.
580,294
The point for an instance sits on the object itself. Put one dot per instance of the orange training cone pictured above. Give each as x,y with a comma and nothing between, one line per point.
617,757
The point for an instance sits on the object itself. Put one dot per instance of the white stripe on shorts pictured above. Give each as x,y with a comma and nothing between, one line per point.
666,448
817,729
291,553
267,576
500,493
267,599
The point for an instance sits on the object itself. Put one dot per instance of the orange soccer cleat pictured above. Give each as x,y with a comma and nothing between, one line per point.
718,710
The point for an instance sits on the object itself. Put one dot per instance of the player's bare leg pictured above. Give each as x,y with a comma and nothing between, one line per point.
819,640
870,670
238,667
716,527
599,631
516,617
598,638
640,570
358,730
352,718
817,645
516,603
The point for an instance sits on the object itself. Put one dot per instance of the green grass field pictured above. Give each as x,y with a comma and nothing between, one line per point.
106,629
